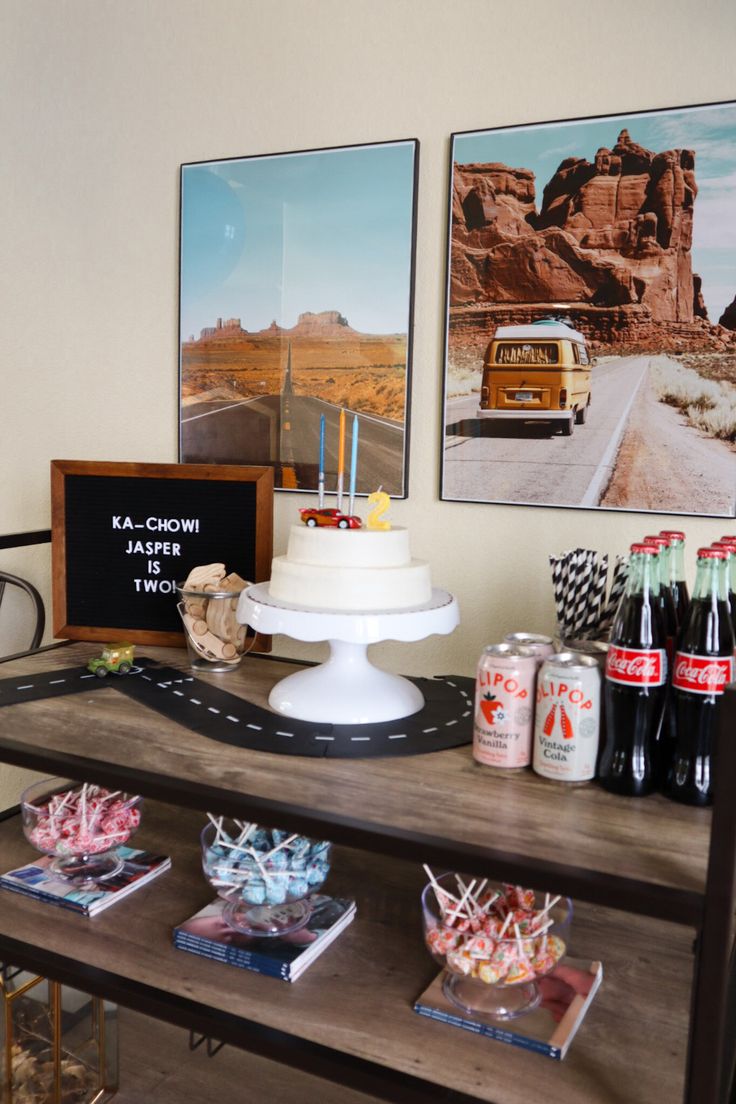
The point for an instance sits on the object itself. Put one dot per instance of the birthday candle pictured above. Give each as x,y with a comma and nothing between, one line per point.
321,476
382,503
341,460
353,463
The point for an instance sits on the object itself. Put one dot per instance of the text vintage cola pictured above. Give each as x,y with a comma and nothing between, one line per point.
567,718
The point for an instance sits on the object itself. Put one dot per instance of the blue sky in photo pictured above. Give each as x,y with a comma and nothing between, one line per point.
267,238
710,131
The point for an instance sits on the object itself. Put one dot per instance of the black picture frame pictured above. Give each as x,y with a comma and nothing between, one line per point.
252,386
503,460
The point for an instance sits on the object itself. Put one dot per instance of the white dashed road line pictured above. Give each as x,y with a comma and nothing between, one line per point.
260,728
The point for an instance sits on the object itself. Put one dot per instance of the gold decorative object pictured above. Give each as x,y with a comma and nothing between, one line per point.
59,1046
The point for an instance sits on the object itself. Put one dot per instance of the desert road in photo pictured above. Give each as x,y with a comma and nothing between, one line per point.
286,427
671,466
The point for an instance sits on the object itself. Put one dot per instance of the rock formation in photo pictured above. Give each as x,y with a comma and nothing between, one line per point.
330,360
728,318
612,240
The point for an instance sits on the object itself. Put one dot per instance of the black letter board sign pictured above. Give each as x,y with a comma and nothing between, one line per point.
125,534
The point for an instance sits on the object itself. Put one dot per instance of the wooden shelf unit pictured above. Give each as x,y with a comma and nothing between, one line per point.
350,1017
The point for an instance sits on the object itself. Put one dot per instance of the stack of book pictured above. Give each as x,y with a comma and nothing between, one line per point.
36,880
207,933
566,993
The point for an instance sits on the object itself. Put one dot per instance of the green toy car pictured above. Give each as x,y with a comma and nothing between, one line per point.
117,658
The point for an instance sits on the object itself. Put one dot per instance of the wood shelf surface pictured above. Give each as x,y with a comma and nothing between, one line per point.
442,797
357,997
157,1067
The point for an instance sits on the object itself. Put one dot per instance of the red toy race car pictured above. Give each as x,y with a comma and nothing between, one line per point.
331,517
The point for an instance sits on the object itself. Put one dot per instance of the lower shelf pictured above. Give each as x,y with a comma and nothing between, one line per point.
350,1016
157,1065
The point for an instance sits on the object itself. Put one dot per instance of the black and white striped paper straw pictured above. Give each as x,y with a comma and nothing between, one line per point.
575,581
557,563
591,626
618,586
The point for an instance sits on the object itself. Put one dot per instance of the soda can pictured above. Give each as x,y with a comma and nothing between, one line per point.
596,648
504,707
567,723
542,646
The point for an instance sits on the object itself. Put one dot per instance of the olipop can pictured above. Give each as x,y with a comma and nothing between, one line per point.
504,707
567,723
596,648
542,646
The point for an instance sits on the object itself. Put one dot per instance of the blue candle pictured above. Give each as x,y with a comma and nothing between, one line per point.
353,462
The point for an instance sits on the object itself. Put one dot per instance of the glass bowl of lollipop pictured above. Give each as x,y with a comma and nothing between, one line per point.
495,941
266,876
80,826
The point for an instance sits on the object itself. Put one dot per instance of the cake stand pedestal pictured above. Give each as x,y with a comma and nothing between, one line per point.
346,688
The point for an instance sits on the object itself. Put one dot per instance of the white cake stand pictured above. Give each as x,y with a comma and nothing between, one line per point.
346,688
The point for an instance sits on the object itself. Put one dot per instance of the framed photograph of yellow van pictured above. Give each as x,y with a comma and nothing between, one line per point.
296,300
590,339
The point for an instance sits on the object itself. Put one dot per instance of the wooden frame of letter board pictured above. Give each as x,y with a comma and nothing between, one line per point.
217,473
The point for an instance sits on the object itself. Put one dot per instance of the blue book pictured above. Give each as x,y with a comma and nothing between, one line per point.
567,994
208,934
37,881
230,957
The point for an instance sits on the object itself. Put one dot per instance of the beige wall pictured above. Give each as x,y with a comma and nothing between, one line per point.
101,101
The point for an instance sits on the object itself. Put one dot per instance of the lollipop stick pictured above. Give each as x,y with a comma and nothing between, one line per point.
506,923
438,890
546,909
453,914
490,902
284,843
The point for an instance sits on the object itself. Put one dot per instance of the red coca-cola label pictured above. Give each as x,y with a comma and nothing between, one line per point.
702,674
636,666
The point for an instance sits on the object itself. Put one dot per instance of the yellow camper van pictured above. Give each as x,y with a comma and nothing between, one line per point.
539,372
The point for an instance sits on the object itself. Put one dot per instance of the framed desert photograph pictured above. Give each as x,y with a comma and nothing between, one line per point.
296,298
590,354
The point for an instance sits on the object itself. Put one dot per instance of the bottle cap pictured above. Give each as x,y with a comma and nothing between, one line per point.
673,534
728,546
649,549
712,553
660,541
731,540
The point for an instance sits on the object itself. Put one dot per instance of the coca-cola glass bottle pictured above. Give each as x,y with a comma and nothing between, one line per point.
671,629
703,665
666,595
729,543
636,677
676,572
